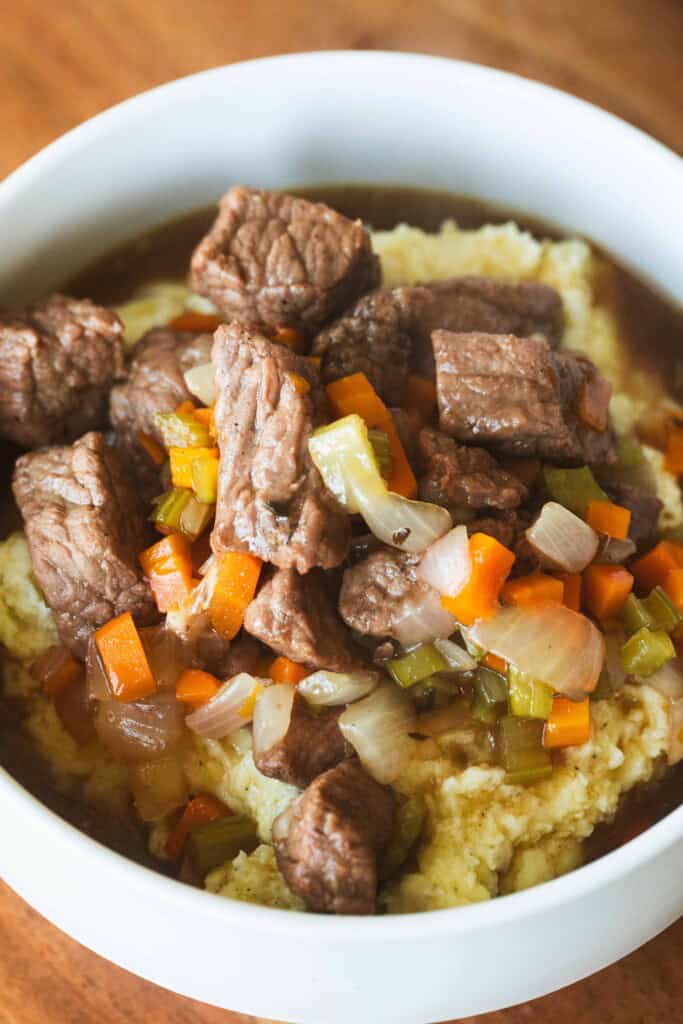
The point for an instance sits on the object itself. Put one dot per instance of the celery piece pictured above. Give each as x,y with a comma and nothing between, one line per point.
573,488
486,713
410,821
527,697
634,615
382,449
629,451
491,687
662,611
646,651
170,507
521,750
182,430
194,518
205,478
418,664
221,840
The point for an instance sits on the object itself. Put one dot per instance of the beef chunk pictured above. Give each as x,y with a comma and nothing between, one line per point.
296,616
85,527
312,744
377,593
58,360
272,259
271,498
645,509
328,842
155,384
518,396
388,331
453,474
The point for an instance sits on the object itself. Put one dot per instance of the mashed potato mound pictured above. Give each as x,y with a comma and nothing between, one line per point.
254,878
26,623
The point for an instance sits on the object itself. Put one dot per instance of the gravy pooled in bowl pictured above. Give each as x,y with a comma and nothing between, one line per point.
347,572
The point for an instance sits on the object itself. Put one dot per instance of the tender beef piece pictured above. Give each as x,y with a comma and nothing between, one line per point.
645,509
155,384
519,397
86,527
272,259
296,616
312,744
377,592
509,527
58,360
453,474
388,331
328,842
271,498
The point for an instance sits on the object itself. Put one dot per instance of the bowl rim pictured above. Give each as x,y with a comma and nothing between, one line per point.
390,928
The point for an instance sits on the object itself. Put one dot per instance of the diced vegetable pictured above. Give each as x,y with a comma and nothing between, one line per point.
182,430
168,567
629,452
272,712
290,337
634,615
237,576
223,714
447,564
156,304
673,585
170,508
549,642
646,651
182,459
604,517
569,723
152,447
200,383
652,569
199,811
378,727
458,659
536,588
195,518
527,697
330,689
612,677
673,456
495,663
420,396
573,488
561,540
491,564
491,687
204,472
661,610
605,588
382,449
572,585
221,840
159,787
612,551
521,751
196,688
56,670
419,663
282,670
124,660
196,323
423,619
144,729
410,822
676,733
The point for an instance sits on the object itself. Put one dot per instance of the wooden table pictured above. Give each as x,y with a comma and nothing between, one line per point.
61,63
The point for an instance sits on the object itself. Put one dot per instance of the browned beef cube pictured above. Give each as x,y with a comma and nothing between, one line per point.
272,259
312,744
58,360
519,397
85,527
271,498
297,617
454,474
377,592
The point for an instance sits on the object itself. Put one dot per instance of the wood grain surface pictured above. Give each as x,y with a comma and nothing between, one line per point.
64,61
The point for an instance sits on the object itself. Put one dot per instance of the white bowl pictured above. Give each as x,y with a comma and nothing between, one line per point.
326,118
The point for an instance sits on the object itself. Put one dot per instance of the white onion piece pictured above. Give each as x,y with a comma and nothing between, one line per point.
223,715
330,689
423,618
400,522
143,729
551,643
446,564
272,715
561,540
458,660
200,383
676,738
378,728
667,680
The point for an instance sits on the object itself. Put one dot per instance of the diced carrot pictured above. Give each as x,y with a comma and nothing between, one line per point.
200,811
124,659
168,567
56,670
290,337
673,456
247,707
202,323
401,477
299,383
314,361
605,588
282,670
652,569
536,588
205,416
604,517
571,597
491,565
420,395
195,687
673,585
492,661
152,447
569,723
236,581
181,463
185,407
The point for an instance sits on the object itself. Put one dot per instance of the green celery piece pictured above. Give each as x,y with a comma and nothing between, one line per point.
629,451
410,822
182,430
415,666
634,615
521,750
382,449
491,687
573,488
221,840
646,651
486,713
662,611
170,507
527,697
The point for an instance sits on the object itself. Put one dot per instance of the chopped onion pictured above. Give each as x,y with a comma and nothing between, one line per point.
423,618
330,689
400,522
272,715
378,728
667,680
95,677
550,643
446,564
76,712
458,660
166,654
200,383
614,550
561,540
226,712
143,729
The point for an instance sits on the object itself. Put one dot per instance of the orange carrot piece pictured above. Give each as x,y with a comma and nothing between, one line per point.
421,396
401,477
168,567
202,323
491,565
569,723
195,687
290,337
205,416
314,361
673,585
181,460
652,569
605,588
571,583
152,447
492,661
673,456
124,659
200,811
604,517
56,670
282,670
185,407
236,581
536,588
299,383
